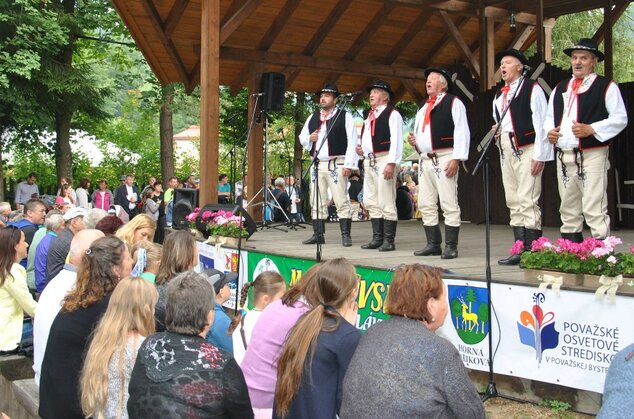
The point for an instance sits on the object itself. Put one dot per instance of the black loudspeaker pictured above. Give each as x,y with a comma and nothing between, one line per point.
249,224
185,200
273,88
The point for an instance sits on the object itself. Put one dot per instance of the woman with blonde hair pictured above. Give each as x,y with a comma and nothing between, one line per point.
147,258
318,349
128,320
267,287
141,227
180,254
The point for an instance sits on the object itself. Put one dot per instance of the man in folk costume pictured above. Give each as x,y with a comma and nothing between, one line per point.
441,137
523,146
382,146
336,159
584,114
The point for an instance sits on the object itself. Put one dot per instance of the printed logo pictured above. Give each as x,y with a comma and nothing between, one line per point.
265,264
231,261
537,329
469,312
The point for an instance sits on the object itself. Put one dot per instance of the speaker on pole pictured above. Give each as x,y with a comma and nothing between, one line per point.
248,223
273,88
185,200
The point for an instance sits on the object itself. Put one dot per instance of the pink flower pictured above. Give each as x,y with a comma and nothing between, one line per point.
611,260
611,242
632,249
600,251
517,248
220,221
541,244
207,215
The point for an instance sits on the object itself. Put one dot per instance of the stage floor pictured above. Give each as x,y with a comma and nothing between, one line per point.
409,237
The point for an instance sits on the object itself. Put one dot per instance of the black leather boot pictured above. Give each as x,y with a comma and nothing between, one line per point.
519,233
345,224
530,236
434,239
573,237
451,243
377,234
319,226
390,233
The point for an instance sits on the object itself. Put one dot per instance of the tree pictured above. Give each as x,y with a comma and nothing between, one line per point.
456,309
483,314
472,297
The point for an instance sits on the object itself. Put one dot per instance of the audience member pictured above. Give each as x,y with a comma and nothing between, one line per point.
296,198
141,227
219,334
5,211
103,265
180,254
267,287
150,207
318,349
58,250
64,197
191,182
15,298
54,224
127,196
150,185
354,189
83,196
404,206
617,391
168,199
158,197
280,213
128,320
32,219
102,198
51,298
109,225
93,216
67,181
214,386
438,386
26,190
224,189
147,258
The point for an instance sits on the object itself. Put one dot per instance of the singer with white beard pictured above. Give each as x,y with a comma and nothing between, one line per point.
336,159
523,146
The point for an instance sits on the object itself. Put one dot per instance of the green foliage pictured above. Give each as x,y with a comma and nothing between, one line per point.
559,408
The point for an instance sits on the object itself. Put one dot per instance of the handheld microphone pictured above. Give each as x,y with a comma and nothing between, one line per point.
526,70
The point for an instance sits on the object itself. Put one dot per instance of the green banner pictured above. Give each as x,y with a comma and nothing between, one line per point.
372,289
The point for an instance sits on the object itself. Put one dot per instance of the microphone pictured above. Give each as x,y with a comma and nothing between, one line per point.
353,94
526,69
257,94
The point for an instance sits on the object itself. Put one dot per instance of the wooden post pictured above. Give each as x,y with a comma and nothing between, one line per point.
548,39
255,148
607,42
209,100
487,48
490,53
539,25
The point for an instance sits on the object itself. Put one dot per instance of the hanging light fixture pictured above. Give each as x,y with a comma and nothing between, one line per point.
512,27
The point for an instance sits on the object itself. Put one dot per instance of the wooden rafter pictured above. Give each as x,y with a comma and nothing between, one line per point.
438,46
232,23
414,28
411,87
470,9
194,77
157,23
238,81
617,12
456,37
174,16
320,63
278,24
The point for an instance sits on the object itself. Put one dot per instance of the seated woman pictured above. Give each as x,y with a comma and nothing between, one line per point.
105,262
141,227
418,374
178,373
128,320
318,349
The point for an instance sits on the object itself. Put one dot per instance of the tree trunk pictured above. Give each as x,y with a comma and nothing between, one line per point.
63,153
298,150
167,134
1,165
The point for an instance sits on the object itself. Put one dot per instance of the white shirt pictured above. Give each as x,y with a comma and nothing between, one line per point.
48,306
250,319
130,195
461,133
351,159
604,130
542,149
395,153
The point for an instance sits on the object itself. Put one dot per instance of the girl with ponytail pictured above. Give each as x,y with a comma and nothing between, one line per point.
319,347
267,287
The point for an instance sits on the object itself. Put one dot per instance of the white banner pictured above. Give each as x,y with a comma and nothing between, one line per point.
567,339
225,260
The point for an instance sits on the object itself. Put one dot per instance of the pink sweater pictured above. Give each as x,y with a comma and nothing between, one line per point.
260,361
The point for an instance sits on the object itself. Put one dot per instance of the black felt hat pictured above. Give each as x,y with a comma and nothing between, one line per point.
329,88
586,44
381,84
513,53
442,71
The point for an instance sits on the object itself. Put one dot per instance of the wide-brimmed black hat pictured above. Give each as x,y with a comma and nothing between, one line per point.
586,44
329,88
444,72
381,84
513,53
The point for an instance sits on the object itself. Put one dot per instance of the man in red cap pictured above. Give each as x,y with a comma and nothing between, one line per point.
523,146
584,114
336,158
441,137
382,146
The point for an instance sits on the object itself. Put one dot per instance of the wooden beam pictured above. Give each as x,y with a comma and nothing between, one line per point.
209,100
320,63
617,12
239,80
456,37
278,24
608,22
167,43
410,86
233,23
414,28
429,58
194,77
469,9
482,24
174,16
255,174
539,26
291,75
519,42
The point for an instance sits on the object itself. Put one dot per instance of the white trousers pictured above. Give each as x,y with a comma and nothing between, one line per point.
521,189
433,186
330,176
584,194
379,195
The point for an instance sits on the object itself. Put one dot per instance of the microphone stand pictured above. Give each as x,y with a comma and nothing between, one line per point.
491,390
314,164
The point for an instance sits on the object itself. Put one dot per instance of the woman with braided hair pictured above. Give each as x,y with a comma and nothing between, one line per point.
267,287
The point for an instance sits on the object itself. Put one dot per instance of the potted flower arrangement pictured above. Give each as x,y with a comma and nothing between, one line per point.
592,257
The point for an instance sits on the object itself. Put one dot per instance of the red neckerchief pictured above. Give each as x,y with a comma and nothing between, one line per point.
505,92
430,104
576,83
